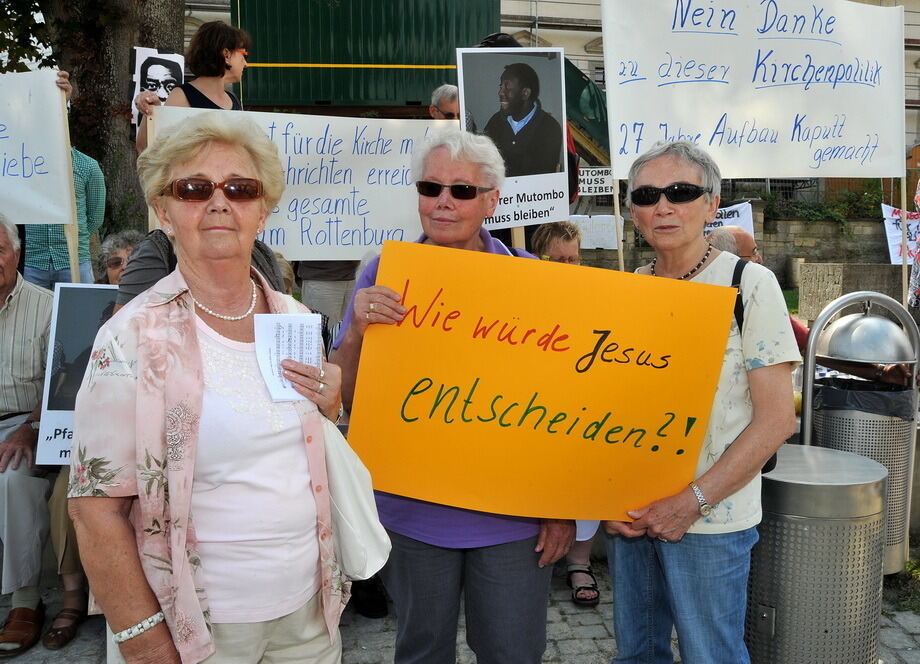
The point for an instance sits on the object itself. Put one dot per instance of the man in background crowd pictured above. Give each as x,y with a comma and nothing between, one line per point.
25,320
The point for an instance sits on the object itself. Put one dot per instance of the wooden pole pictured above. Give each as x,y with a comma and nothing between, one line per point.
905,269
153,221
71,230
616,222
517,237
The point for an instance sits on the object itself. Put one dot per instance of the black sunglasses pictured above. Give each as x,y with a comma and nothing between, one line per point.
114,262
679,192
448,115
199,190
462,192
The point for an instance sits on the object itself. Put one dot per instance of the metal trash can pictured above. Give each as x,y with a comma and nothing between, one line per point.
873,419
815,590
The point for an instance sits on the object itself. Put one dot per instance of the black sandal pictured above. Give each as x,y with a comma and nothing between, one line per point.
583,601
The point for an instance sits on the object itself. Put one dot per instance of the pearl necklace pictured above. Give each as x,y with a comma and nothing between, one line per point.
252,306
691,272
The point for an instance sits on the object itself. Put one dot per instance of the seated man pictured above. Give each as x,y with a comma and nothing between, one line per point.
25,318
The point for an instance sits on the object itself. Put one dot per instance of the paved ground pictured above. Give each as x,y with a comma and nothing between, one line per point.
575,635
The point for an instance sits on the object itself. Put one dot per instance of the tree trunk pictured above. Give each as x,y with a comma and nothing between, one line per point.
93,42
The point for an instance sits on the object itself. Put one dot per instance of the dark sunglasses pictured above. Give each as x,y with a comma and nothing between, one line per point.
114,262
679,192
200,190
462,192
448,115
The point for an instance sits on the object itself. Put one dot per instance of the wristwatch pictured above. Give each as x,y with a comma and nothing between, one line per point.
705,507
35,424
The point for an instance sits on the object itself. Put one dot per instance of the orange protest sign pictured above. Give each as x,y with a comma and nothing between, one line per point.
533,388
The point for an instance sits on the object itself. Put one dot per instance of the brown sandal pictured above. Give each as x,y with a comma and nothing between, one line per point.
58,637
22,626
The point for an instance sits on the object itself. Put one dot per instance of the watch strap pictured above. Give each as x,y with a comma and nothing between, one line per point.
705,507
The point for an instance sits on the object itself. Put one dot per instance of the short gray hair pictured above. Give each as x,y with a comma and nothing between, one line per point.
463,146
444,92
11,231
126,239
686,151
722,238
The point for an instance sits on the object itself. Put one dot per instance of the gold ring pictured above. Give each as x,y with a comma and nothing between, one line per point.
372,306
662,539
367,315
322,373
321,386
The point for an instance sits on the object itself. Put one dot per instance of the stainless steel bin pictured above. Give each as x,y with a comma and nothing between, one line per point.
863,417
815,590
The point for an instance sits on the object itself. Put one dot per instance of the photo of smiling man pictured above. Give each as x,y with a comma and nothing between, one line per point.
529,138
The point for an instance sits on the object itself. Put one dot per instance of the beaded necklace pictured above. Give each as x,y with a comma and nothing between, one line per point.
691,272
252,306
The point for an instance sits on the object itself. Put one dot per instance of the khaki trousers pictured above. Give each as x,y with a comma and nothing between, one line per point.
23,519
297,637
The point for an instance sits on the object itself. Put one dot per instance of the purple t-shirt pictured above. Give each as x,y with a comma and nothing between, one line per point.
442,525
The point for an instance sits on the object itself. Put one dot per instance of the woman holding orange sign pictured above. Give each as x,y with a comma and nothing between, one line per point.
684,560
500,565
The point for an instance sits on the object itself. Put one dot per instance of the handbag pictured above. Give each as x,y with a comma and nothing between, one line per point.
361,543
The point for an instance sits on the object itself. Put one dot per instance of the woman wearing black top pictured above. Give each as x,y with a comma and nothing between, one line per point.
217,57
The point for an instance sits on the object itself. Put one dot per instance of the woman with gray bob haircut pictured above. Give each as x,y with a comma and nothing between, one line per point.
690,153
683,560
205,525
499,565
114,254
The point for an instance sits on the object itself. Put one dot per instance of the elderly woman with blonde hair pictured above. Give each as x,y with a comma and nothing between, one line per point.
204,525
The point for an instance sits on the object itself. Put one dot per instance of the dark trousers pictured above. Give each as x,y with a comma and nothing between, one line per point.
505,596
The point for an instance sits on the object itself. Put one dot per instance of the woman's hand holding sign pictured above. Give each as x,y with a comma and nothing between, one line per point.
376,304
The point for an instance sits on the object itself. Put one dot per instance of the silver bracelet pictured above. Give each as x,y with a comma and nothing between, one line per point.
139,628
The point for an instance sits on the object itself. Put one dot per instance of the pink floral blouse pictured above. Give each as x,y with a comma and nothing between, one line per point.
135,435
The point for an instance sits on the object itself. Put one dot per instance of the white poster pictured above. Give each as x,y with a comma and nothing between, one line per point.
595,181
79,311
516,97
597,230
155,72
349,181
36,173
771,88
741,214
892,220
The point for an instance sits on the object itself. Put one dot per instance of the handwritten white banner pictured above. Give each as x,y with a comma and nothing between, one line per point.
36,174
771,88
349,181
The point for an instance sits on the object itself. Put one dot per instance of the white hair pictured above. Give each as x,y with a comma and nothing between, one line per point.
11,232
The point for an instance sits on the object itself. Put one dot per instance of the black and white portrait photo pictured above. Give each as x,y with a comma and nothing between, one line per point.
515,97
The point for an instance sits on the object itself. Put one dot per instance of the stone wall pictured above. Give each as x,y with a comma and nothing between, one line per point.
822,283
779,241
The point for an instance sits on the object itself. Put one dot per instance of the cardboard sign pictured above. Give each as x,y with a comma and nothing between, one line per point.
891,217
536,189
349,181
36,173
78,312
155,72
512,387
595,181
770,88
597,231
734,215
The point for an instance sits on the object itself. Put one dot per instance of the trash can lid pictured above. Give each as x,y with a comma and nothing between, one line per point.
865,338
819,482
